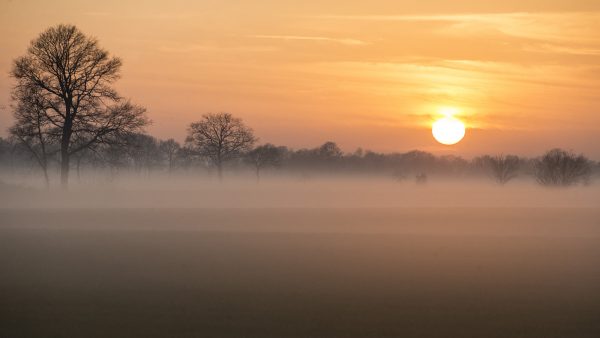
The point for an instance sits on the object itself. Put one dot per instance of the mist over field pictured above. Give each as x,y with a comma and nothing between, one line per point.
327,256
295,191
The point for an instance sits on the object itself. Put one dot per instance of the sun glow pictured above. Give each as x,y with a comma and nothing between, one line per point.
448,130
448,111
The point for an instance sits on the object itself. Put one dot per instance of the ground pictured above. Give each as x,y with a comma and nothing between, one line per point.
300,272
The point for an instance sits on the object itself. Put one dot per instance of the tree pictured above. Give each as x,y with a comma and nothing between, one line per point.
5,147
416,161
31,128
73,77
330,151
562,168
220,138
421,178
115,156
169,148
503,168
264,156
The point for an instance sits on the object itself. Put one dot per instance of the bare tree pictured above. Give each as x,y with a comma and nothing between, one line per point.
330,151
169,148
219,138
503,168
421,178
32,129
264,156
74,76
562,168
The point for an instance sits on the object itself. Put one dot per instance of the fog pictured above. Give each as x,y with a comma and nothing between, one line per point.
296,191
296,256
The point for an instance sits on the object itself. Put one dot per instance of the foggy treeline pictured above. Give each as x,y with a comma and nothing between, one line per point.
69,120
145,155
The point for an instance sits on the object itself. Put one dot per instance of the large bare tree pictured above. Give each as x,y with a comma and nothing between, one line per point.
74,78
219,138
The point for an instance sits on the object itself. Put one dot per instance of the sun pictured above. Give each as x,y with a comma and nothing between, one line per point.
448,130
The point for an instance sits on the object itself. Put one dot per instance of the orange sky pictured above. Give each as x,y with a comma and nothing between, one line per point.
524,74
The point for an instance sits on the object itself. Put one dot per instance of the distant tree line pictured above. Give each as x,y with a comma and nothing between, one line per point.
68,117
144,155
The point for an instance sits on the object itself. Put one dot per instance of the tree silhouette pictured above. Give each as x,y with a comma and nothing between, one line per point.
503,168
264,156
220,138
562,168
169,148
330,151
73,77
32,129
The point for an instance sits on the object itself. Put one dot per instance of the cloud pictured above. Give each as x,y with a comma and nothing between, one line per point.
190,48
349,42
514,37
553,48
565,26
454,17
143,16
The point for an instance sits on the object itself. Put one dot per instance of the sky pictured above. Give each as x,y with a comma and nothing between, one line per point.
524,76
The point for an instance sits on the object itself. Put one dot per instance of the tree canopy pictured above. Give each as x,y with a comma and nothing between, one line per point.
72,78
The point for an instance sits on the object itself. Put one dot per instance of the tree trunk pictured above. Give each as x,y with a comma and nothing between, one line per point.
220,172
64,151
46,178
78,167
257,174
64,169
220,167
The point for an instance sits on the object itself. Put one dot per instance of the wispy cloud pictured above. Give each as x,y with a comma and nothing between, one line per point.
189,48
481,17
144,16
452,17
350,42
553,48
516,36
550,26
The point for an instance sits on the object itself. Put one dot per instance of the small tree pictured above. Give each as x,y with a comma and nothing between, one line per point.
220,138
264,156
562,168
330,151
421,178
503,168
143,151
169,148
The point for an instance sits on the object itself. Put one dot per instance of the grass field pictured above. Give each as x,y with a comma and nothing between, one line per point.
300,272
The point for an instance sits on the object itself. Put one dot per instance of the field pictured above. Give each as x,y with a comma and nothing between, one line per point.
348,262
